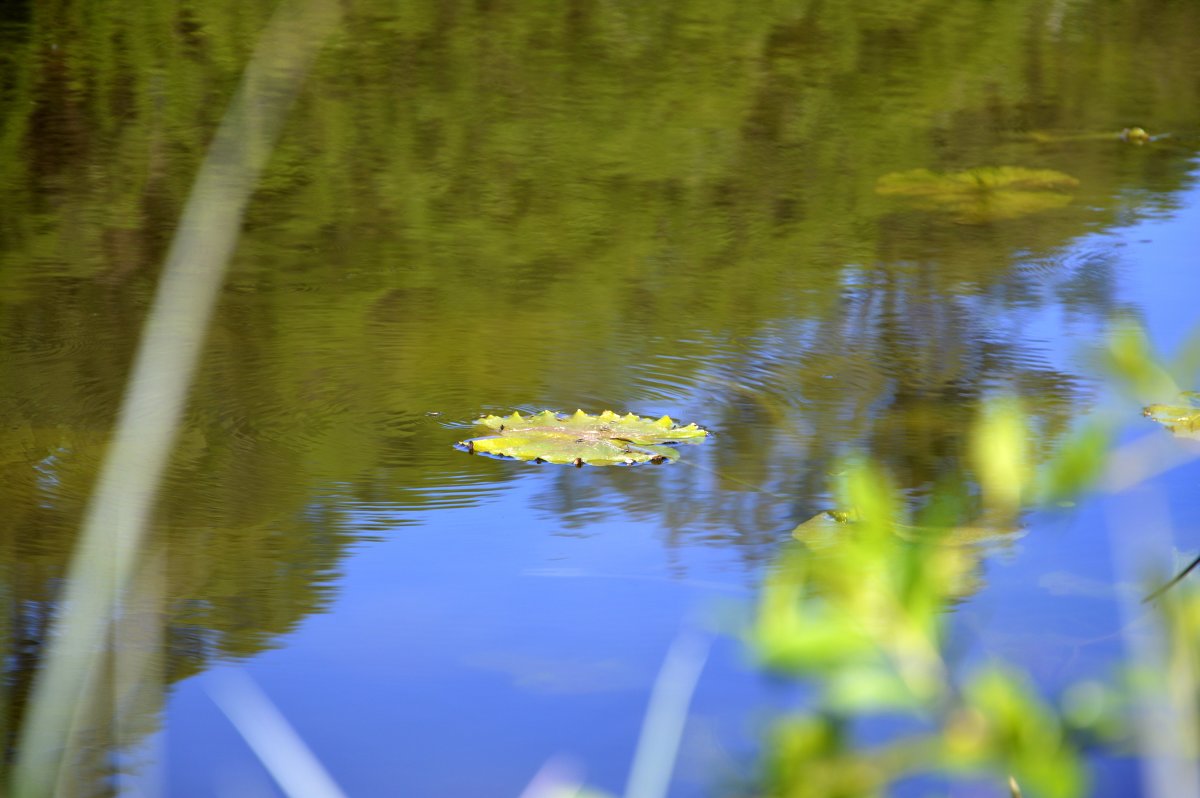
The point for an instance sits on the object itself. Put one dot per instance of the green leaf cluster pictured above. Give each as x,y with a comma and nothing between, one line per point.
858,609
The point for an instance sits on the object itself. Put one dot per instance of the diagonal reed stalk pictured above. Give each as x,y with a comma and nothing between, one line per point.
118,513
666,715
278,747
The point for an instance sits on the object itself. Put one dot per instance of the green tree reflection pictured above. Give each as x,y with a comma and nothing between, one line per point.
485,206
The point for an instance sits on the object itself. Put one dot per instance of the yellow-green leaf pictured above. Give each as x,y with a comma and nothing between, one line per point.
606,439
1182,419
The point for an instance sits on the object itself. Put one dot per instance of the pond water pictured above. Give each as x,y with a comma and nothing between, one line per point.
656,208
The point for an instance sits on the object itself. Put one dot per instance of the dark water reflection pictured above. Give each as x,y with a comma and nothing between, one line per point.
476,208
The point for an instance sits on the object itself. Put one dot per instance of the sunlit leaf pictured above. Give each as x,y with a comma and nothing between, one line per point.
799,632
981,195
1079,462
1131,358
606,439
870,493
1007,729
814,757
869,688
1001,457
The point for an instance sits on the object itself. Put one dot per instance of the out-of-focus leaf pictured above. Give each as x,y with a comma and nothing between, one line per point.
980,534
1187,357
1001,457
1004,728
982,195
814,757
820,645
1078,463
1131,358
798,631
828,526
606,439
1095,708
869,689
870,494
823,529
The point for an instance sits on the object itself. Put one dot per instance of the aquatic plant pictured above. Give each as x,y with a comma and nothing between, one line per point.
981,195
1183,420
578,439
857,609
858,612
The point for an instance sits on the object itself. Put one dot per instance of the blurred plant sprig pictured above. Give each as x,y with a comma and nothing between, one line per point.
859,614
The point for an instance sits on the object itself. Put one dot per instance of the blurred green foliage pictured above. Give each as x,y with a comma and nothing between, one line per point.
858,608
863,619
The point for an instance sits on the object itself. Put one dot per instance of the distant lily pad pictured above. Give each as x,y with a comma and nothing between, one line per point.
606,439
1182,419
982,195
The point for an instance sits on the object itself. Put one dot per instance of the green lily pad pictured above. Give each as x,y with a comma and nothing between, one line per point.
606,439
982,195
1183,420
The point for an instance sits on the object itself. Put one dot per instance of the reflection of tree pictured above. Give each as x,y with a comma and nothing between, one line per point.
243,565
592,205
699,162
898,370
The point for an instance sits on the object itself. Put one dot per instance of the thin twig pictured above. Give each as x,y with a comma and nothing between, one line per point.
1174,581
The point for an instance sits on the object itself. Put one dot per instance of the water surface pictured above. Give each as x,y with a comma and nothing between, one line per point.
664,209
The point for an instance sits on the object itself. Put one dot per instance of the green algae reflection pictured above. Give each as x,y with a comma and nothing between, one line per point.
606,439
978,196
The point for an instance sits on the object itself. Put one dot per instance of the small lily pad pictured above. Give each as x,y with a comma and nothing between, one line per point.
982,195
606,439
1183,420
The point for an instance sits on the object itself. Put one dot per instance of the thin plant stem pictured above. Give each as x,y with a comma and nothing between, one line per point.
282,751
666,714
1174,581
119,510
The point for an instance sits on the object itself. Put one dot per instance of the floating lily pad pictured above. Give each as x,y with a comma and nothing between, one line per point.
1182,419
606,439
982,195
